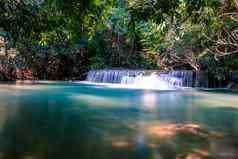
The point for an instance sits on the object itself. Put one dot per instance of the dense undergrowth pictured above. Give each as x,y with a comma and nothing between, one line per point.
60,39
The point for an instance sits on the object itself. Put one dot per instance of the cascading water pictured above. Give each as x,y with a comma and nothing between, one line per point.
110,76
142,79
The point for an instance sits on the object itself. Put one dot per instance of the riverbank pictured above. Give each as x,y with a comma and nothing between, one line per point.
183,78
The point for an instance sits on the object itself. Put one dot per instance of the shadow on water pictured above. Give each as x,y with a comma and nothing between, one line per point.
48,131
88,123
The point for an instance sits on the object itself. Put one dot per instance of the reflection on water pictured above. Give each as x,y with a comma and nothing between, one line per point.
149,100
64,121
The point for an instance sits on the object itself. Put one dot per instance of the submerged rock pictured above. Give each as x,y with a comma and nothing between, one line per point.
193,156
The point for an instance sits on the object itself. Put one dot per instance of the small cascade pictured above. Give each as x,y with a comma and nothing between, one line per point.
111,76
185,76
143,78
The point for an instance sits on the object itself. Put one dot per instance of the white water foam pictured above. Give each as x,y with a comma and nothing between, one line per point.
134,80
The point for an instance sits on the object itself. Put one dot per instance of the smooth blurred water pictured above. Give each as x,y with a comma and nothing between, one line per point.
144,79
60,120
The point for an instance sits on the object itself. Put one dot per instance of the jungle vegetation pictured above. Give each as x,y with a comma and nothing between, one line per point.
63,39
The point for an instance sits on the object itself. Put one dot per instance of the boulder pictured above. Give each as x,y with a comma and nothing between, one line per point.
233,86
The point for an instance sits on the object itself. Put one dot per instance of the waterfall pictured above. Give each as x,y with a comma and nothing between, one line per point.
185,76
111,76
143,78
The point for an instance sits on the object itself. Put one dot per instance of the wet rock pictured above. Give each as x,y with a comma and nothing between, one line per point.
234,77
233,86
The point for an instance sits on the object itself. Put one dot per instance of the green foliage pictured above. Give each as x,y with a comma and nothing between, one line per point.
117,33
160,9
116,42
176,37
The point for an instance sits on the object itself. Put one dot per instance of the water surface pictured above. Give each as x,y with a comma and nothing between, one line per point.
80,121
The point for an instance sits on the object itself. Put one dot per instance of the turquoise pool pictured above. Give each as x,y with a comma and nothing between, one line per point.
60,120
